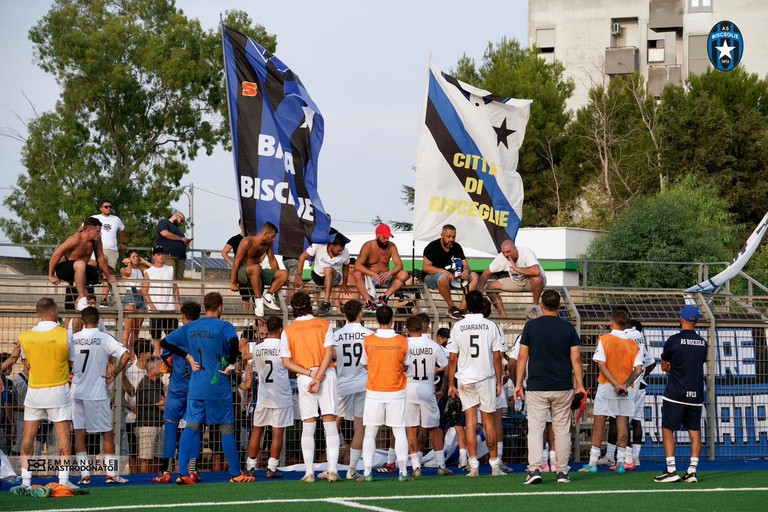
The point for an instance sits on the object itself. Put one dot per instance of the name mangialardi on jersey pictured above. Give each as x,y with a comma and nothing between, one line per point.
87,341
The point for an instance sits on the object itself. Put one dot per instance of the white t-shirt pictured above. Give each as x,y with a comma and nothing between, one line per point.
110,225
475,339
134,374
92,351
425,356
351,375
323,260
161,293
134,280
525,258
648,359
274,384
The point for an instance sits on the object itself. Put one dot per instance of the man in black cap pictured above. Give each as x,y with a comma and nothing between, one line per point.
683,359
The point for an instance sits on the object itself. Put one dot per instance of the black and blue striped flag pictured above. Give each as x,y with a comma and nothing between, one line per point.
277,132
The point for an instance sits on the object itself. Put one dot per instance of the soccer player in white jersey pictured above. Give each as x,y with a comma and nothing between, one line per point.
92,412
421,408
274,405
475,360
351,378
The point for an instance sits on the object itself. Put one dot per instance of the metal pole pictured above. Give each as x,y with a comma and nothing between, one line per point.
710,378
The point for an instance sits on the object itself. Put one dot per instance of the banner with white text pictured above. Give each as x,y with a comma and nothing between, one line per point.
277,132
466,167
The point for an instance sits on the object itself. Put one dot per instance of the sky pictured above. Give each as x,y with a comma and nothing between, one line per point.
363,62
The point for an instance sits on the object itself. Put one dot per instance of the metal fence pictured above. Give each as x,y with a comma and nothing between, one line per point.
735,425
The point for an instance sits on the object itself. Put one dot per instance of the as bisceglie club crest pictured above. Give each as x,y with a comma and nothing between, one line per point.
725,46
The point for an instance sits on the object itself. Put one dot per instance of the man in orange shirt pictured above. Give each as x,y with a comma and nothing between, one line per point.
620,362
386,356
307,348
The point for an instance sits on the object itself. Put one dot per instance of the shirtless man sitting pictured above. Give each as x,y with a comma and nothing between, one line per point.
69,261
372,269
247,268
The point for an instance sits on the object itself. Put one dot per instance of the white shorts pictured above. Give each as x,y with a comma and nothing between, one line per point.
482,393
95,416
608,403
273,417
638,397
426,415
111,256
323,401
501,400
54,414
377,413
352,406
150,442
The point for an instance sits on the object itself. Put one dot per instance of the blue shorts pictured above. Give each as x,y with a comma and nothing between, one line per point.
431,280
210,412
134,298
175,407
675,415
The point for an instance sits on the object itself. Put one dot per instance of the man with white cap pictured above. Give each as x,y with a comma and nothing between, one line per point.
372,269
683,359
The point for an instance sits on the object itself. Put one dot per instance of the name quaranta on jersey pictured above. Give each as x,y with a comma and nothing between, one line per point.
270,190
474,327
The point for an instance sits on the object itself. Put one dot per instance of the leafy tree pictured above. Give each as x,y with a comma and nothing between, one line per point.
142,94
509,70
686,222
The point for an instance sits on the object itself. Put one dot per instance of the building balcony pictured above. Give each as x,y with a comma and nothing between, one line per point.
623,60
665,15
660,76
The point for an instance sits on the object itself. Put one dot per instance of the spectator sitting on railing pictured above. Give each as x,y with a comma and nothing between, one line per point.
445,265
171,238
372,269
524,274
247,268
69,261
233,244
331,268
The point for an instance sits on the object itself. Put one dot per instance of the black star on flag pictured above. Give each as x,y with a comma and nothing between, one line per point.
502,132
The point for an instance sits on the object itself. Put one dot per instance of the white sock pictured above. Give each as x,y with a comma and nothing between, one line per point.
494,462
420,454
500,449
272,464
628,456
63,476
250,463
636,451
415,464
26,478
332,445
354,458
594,454
694,465
82,461
544,456
391,456
440,458
474,463
552,458
620,452
401,449
671,465
463,455
369,447
110,459
308,447
610,451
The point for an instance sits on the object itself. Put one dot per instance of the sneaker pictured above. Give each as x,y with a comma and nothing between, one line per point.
70,485
545,468
162,478
667,477
353,475
563,478
463,465
323,308
195,476
506,469
370,307
81,303
444,471
308,478
258,306
473,472
117,479
455,313
249,472
690,478
333,477
323,475
416,472
269,301
629,466
620,470
637,463
496,471
387,468
533,477
404,478
381,302
602,461
185,480
365,478
588,469
242,478
274,474
86,480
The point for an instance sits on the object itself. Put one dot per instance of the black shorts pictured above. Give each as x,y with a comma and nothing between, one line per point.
246,293
66,272
158,326
675,415
70,296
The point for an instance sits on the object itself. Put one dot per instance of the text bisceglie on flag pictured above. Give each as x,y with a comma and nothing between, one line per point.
277,132
466,167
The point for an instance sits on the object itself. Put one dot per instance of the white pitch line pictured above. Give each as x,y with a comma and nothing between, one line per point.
406,497
349,502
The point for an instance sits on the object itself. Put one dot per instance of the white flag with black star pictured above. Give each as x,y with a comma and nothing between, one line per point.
466,167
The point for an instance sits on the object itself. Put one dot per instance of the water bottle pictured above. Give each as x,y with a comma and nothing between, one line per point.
458,266
518,404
